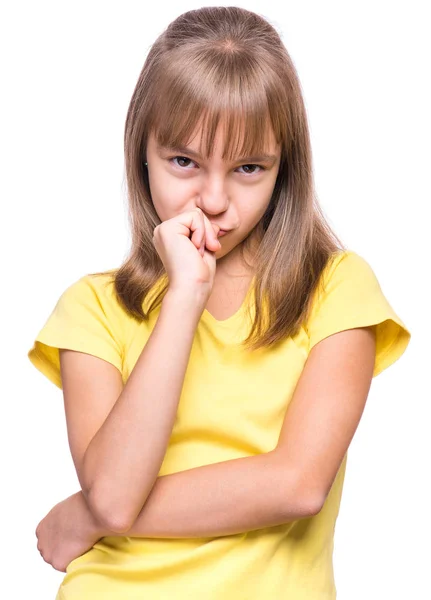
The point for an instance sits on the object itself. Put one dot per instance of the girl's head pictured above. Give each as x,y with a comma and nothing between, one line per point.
218,81
233,193
218,91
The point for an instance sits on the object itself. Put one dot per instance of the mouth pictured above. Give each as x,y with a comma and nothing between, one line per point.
222,232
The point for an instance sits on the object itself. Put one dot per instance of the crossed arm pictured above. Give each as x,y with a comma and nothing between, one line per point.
217,499
265,490
248,493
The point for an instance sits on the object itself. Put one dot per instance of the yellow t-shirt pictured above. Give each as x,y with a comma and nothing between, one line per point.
232,405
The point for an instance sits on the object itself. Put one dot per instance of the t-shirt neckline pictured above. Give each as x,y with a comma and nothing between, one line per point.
206,315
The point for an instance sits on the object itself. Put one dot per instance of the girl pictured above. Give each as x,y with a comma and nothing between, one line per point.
213,383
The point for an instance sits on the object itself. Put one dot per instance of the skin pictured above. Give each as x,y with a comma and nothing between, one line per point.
233,195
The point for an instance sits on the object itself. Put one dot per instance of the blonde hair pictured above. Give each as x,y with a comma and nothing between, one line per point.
227,63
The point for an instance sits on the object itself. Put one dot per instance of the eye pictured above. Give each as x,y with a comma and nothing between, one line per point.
253,166
180,158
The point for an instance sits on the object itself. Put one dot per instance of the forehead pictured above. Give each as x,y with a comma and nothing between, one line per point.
225,140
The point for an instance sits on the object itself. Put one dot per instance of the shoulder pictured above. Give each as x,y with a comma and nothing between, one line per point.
96,290
347,279
349,296
91,303
345,262
101,284
346,272
87,317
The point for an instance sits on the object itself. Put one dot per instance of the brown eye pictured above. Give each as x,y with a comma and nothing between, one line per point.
253,167
181,159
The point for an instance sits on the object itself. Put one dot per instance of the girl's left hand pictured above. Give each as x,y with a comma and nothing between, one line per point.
67,531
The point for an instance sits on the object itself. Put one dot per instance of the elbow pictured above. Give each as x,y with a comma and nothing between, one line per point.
101,502
299,507
300,499
310,505
310,500
106,515
113,508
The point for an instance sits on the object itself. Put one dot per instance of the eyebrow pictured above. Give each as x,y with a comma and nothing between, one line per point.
268,158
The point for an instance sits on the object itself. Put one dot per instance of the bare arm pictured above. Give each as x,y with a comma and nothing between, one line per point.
224,498
124,457
294,479
221,499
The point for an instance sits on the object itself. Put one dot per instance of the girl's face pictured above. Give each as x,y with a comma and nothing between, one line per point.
232,194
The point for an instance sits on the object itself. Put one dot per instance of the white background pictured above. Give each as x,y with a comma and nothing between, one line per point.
68,72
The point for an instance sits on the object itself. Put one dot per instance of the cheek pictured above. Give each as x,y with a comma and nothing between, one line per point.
255,202
266,195
169,197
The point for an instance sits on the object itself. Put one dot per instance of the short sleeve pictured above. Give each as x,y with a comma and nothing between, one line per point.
352,297
86,319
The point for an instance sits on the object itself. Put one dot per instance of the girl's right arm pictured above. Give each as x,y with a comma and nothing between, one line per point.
123,459
119,435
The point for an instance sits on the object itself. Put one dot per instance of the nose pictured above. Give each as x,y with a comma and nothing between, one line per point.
213,196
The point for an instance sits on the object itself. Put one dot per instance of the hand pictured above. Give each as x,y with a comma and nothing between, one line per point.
186,245
67,531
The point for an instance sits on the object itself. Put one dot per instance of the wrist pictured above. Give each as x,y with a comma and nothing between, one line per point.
187,302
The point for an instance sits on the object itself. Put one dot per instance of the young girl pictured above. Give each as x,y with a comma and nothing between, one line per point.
213,383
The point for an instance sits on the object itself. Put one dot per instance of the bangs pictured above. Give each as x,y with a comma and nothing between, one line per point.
219,90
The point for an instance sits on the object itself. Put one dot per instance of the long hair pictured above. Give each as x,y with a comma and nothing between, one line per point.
229,63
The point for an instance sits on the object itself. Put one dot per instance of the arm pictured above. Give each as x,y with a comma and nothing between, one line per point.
128,449
221,499
294,479
224,498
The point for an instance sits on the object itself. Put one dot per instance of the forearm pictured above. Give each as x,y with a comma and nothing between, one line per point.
220,499
128,450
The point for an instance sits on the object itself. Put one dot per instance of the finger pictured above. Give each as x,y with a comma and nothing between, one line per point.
197,228
187,223
211,235
201,229
202,232
193,221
